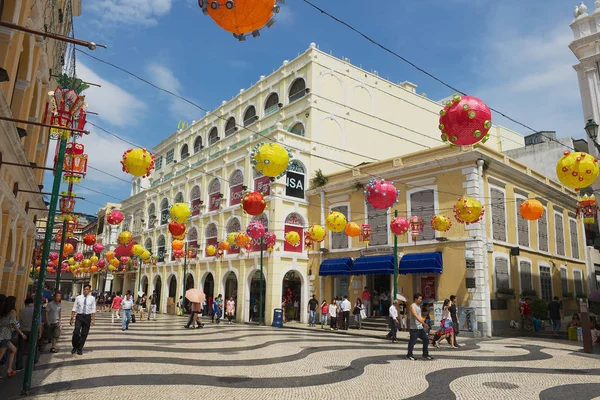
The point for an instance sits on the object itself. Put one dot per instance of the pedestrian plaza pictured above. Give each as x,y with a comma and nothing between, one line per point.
163,360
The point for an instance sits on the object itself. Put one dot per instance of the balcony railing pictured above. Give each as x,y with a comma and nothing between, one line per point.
271,110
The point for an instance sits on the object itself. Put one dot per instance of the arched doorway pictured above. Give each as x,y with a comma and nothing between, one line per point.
189,284
144,286
172,295
255,297
291,295
209,290
231,286
158,289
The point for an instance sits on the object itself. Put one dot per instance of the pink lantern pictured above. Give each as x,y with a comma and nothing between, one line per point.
124,260
177,254
255,229
381,194
65,264
51,264
115,217
270,239
416,226
53,256
465,120
98,247
399,226
101,264
78,257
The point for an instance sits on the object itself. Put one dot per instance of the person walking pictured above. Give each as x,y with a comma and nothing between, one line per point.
83,316
324,313
143,301
116,305
26,323
312,310
417,327
153,305
446,326
393,320
366,300
218,308
358,312
8,322
554,315
230,309
53,319
454,316
127,308
346,306
333,315
194,314
402,318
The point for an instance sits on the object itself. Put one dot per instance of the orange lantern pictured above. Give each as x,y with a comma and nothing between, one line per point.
110,255
531,210
224,245
68,249
177,244
242,239
75,163
352,229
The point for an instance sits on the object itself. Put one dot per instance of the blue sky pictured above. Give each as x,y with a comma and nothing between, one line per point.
510,53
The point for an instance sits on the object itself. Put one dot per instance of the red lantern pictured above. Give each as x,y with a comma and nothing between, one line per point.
365,234
75,163
465,120
255,229
399,226
254,203
381,194
416,226
89,239
177,229
115,217
124,260
66,205
270,239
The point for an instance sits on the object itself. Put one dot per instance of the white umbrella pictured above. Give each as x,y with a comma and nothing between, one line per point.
400,297
141,293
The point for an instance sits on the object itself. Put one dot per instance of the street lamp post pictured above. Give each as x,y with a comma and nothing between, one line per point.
184,276
591,128
260,290
395,261
60,256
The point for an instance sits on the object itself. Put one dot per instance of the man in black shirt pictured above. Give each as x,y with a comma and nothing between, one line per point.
454,315
153,305
554,315
312,310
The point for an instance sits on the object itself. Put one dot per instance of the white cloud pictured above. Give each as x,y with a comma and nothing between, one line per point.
163,77
130,12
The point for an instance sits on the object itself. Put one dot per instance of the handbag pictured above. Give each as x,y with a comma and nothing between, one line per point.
132,317
356,311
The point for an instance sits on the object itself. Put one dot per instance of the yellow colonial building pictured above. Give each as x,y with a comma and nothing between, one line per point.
26,65
482,263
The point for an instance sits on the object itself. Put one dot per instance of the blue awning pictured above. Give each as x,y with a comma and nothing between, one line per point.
336,266
373,265
422,263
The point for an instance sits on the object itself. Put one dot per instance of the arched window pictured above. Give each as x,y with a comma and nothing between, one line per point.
265,221
184,152
192,239
214,195
236,187
211,234
298,90
213,136
148,244
272,104
196,201
250,116
298,129
233,226
294,222
151,216
137,222
179,197
164,212
295,180
198,144
230,127
161,253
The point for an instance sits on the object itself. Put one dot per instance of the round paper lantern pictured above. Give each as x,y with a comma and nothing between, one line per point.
111,268
68,249
89,239
336,221
138,162
441,223
316,233
292,238
123,250
71,261
137,249
270,239
577,170
224,245
399,226
231,237
145,255
94,260
211,250
115,217
465,120
177,229
271,159
124,260
531,209
352,229
109,255
180,212
97,248
241,17
468,210
253,203
78,257
416,226
94,268
177,254
53,256
255,229
115,262
177,244
242,239
101,264
125,238
86,263
381,194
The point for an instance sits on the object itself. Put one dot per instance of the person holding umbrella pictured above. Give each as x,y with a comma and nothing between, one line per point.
196,297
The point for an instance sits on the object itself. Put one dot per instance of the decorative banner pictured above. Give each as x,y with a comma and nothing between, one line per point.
214,201
428,287
236,193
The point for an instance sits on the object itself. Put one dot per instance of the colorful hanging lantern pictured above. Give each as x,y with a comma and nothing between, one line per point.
101,264
269,239
211,250
381,194
588,208
224,245
97,248
352,229
109,255
145,255
441,223
316,233
271,159
308,242
86,263
115,217
89,239
178,254
231,237
138,162
125,238
125,260
67,105
53,256
253,203
220,253
416,226
292,238
137,249
399,226
531,210
180,212
94,260
468,210
465,120
336,221
75,163
577,170
177,229
365,233
78,257
66,205
241,17
115,262
71,261
192,252
177,244
242,239
94,268
255,229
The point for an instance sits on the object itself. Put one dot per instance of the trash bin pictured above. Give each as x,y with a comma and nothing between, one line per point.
278,318
537,324
572,333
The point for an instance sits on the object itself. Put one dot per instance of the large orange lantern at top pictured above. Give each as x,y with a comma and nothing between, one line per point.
241,17
352,229
531,209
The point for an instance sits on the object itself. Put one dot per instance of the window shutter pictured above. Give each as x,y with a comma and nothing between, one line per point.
546,283
578,282
339,240
560,237
522,226
422,205
378,221
502,277
525,275
498,215
543,233
574,239
564,281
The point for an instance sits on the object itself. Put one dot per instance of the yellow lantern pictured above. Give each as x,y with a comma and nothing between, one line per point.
86,263
292,238
111,268
94,260
137,250
242,239
336,221
138,162
125,238
468,210
316,233
272,159
211,250
231,237
180,212
577,170
115,262
71,261
441,223
145,255
352,229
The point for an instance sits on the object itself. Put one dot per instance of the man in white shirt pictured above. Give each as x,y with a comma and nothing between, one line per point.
417,327
83,315
126,306
346,306
393,321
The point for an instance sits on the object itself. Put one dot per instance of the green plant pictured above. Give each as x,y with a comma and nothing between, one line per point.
529,293
509,291
319,179
567,295
539,309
